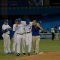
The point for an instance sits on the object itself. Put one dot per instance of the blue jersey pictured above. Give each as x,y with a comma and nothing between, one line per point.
35,31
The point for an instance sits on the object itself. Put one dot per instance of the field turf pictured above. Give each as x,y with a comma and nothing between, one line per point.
45,46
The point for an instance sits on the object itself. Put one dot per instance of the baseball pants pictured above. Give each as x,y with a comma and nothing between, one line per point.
6,39
29,41
14,42
35,43
20,40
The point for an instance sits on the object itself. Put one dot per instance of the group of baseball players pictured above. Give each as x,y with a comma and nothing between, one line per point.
26,36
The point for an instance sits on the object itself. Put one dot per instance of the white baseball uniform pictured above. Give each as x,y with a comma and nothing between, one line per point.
6,39
14,38
28,37
19,36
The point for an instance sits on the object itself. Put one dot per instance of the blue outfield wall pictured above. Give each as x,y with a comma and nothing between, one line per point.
52,22
29,10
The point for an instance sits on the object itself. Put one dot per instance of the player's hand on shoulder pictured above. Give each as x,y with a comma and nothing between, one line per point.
38,25
16,25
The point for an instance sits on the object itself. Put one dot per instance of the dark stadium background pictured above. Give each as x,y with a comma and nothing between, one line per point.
47,12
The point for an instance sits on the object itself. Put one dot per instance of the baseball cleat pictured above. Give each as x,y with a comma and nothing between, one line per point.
24,53
28,54
18,54
41,52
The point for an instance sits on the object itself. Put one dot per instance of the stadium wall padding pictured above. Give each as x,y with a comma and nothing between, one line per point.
29,10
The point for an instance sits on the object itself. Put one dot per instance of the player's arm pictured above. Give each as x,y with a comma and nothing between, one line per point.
9,28
13,29
3,29
30,28
38,26
16,27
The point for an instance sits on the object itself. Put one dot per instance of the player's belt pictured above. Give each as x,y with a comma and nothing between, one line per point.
28,32
20,34
6,33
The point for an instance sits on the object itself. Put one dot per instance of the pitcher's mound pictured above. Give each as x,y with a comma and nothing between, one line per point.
42,56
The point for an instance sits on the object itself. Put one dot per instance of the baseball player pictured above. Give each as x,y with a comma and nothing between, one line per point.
24,38
14,36
28,29
36,36
19,36
6,37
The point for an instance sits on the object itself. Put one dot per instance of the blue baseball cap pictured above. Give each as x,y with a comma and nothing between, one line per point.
16,20
27,21
19,20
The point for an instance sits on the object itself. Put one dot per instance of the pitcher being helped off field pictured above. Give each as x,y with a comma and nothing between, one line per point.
6,37
19,36
28,29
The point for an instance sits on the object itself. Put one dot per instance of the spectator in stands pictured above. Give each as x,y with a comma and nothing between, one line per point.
53,33
36,2
59,32
55,29
56,32
59,29
23,3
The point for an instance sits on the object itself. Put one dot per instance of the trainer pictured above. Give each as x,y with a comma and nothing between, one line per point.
36,36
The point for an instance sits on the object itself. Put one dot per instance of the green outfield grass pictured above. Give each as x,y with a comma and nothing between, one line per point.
49,45
45,46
